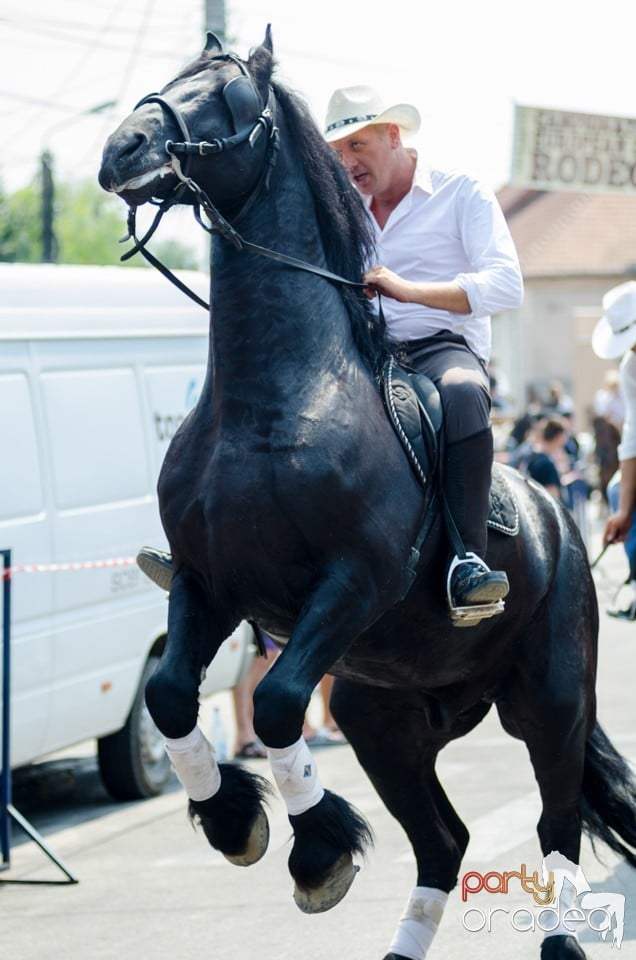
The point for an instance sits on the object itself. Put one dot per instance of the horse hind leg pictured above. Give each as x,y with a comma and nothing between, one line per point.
394,743
553,722
226,800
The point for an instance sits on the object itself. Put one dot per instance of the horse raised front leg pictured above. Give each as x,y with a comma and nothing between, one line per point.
227,801
328,831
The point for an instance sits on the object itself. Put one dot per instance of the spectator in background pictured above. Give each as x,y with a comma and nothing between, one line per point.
248,746
543,463
615,336
521,439
499,388
608,399
607,423
558,402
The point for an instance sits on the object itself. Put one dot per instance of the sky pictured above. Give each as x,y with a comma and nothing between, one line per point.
70,71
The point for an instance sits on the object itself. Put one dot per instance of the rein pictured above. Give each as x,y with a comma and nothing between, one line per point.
219,225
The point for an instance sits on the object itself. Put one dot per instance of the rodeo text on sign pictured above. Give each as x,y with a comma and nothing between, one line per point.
563,150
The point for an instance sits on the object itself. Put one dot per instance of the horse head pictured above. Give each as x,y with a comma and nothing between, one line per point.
212,124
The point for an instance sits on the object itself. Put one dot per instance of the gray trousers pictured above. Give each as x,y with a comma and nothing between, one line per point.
460,377
463,386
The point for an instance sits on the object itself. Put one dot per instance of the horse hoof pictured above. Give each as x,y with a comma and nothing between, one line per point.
561,947
256,843
331,891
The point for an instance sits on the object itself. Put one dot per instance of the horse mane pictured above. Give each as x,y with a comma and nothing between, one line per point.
343,221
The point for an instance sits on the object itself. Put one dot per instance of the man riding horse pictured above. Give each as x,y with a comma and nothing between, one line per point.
287,499
447,261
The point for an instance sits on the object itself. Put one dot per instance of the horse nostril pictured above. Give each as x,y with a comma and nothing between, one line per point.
119,157
135,143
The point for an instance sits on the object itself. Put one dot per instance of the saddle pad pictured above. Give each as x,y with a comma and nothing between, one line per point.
414,408
503,513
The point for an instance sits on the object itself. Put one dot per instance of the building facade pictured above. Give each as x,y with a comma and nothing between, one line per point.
573,247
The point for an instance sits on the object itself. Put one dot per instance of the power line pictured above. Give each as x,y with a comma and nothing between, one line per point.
37,102
144,47
139,38
71,77
59,35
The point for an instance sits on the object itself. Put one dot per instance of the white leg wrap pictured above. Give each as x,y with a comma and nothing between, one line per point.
296,777
564,903
569,881
419,922
194,763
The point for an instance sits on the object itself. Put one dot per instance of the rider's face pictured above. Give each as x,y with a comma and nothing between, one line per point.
367,156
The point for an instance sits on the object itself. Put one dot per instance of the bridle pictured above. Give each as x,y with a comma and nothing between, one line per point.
264,124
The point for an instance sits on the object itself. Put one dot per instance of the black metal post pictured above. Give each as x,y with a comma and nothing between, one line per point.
7,811
5,775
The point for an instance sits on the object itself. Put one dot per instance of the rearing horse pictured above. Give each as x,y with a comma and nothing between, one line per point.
288,500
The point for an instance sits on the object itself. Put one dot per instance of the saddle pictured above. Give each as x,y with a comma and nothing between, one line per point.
414,408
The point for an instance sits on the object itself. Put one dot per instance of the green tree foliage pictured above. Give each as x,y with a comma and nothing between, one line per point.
87,225
19,218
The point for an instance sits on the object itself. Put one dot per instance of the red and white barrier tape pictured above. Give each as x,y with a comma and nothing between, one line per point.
64,567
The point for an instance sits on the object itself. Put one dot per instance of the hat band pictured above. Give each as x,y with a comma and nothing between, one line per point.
349,120
625,329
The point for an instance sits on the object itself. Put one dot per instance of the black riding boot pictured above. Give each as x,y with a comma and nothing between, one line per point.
467,474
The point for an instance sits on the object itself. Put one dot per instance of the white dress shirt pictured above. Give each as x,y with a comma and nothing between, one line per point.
449,227
627,373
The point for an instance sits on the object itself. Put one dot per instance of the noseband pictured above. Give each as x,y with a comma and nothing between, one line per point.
250,133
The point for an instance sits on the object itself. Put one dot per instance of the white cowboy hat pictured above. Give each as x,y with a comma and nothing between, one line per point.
615,333
352,108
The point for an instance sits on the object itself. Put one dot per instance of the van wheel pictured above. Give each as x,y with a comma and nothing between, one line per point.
133,762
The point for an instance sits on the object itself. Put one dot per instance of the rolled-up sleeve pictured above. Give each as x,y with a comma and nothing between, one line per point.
495,282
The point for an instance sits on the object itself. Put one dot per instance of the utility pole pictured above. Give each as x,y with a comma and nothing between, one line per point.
47,206
49,242
215,18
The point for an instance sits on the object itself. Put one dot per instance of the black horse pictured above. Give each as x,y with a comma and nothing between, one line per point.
288,500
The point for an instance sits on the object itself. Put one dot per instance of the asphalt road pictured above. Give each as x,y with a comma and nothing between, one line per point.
150,887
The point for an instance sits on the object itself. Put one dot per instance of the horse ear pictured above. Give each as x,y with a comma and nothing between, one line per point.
212,44
261,60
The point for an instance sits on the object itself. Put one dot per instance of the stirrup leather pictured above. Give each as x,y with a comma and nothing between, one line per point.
469,615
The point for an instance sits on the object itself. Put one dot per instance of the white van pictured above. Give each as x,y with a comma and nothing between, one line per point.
98,366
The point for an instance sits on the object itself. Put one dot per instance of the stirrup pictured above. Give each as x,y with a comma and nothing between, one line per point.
472,614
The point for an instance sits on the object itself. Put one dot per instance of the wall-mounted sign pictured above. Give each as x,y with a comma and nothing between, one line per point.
563,150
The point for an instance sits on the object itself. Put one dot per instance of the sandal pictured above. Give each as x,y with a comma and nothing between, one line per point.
327,737
251,751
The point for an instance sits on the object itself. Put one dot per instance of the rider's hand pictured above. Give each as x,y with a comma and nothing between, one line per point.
382,280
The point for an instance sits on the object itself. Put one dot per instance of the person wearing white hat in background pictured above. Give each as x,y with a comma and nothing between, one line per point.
445,263
614,336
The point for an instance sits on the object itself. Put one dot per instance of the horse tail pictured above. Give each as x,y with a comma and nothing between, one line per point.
607,804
